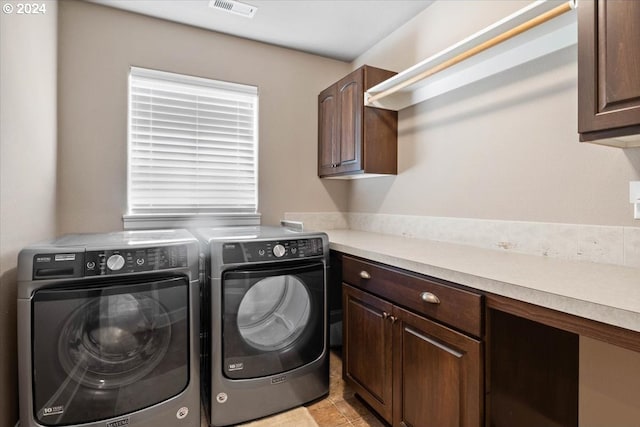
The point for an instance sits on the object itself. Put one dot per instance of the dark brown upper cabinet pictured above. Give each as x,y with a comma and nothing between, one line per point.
353,139
609,72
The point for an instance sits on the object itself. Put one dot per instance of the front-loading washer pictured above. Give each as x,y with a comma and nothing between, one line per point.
265,343
108,328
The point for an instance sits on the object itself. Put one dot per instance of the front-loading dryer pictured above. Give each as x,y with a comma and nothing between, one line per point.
265,345
108,328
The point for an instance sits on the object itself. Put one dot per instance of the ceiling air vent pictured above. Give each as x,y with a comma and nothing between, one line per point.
234,6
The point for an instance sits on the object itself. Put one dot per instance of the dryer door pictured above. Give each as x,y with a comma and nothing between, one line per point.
108,348
274,320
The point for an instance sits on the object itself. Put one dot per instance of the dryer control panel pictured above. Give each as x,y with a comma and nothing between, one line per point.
273,250
108,262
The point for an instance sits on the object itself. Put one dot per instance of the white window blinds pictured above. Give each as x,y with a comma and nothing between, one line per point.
192,145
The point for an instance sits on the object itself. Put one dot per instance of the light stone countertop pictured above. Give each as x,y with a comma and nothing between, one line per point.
602,292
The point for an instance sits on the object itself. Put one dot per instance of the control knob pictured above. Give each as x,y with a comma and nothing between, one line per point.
279,251
115,262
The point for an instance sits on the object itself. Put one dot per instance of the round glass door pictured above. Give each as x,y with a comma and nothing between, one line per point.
274,312
114,341
107,347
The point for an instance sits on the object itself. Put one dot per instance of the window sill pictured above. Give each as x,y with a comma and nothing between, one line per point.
145,222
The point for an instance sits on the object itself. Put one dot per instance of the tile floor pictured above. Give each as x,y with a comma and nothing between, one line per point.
342,408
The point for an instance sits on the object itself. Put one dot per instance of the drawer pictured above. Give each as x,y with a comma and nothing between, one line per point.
433,298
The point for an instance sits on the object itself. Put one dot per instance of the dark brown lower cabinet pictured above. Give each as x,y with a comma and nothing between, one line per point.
367,348
418,360
413,371
437,374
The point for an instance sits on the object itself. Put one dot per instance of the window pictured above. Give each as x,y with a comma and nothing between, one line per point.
192,149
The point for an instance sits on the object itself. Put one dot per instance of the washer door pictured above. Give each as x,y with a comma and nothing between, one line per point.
274,320
108,349
115,340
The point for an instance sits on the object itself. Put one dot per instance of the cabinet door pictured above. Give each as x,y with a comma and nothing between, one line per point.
351,100
608,65
328,156
367,364
437,375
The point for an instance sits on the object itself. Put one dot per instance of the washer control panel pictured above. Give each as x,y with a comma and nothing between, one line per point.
134,260
239,252
100,263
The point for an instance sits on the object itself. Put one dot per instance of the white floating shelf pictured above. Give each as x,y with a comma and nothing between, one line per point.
543,39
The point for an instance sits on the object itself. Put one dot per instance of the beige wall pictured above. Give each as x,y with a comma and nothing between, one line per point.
97,46
27,165
609,385
504,148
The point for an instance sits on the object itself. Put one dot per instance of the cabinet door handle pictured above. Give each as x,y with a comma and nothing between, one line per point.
393,319
385,315
430,298
365,275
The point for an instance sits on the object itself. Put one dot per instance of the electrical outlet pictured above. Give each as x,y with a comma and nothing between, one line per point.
634,198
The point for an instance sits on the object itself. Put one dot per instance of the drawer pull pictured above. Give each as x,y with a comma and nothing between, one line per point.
365,275
430,298
387,316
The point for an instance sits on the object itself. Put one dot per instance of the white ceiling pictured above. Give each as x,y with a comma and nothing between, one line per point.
340,29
